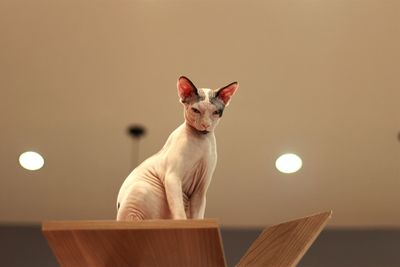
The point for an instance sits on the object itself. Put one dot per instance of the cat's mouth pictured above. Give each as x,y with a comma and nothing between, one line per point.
198,130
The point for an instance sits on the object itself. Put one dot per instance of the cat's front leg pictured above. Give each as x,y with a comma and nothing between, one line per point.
173,191
197,205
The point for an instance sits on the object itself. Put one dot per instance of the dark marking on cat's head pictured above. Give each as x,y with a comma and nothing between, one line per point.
218,103
190,100
118,205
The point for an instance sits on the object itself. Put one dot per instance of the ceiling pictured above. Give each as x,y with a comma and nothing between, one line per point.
317,78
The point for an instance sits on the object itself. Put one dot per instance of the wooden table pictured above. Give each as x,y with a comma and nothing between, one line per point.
175,243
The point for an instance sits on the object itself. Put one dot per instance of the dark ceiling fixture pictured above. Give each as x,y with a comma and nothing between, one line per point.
136,132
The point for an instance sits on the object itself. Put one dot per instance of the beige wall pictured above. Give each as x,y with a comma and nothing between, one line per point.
319,78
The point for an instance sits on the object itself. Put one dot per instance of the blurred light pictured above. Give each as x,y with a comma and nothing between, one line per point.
289,163
31,160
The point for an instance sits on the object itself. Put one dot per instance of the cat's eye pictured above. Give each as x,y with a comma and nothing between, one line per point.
195,110
217,112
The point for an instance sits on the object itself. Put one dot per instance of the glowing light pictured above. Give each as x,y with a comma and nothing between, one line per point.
289,163
31,160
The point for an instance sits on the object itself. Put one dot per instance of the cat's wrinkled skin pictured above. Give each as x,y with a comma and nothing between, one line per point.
172,184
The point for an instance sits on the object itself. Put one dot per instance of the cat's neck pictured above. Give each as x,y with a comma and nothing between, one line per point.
197,133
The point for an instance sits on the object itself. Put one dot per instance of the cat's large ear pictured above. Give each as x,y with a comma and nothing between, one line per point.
225,93
186,89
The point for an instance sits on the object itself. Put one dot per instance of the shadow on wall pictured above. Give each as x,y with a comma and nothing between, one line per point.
26,246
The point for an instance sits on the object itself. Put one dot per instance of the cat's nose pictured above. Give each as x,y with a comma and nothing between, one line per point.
205,125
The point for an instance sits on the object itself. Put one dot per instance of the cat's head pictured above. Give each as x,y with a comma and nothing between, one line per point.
204,107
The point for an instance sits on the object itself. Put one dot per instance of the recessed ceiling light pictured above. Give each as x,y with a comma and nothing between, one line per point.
31,160
289,163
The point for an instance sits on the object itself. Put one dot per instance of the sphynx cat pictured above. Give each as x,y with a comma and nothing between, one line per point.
173,183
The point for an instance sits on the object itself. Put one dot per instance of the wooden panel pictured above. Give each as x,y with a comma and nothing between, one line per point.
145,243
286,243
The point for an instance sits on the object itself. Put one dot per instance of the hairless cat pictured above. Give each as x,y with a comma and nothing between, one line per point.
173,183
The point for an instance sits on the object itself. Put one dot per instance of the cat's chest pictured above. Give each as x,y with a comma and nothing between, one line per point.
192,157
200,161
198,175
